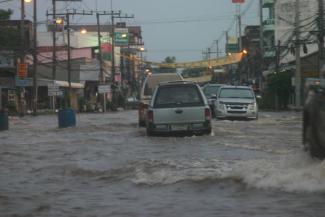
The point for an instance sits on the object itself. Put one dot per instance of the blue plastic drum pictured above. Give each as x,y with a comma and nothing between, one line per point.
4,123
67,118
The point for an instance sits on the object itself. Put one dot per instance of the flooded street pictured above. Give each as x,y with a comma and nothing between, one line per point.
107,166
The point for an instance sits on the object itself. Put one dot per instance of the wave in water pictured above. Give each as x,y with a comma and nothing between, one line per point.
290,173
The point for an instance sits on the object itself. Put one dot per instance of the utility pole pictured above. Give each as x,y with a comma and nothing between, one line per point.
101,71
217,43
22,32
22,54
69,59
35,62
54,48
261,28
67,17
297,53
261,65
113,16
227,41
239,27
321,34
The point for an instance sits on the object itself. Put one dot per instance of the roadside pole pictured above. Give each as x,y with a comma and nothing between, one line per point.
67,17
101,73
260,74
321,34
54,49
0,97
22,55
297,53
35,62
101,70
113,16
240,45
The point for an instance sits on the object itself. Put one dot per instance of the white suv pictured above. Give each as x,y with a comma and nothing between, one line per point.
236,102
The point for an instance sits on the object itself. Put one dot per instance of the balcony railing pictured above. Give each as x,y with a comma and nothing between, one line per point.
268,3
269,51
268,25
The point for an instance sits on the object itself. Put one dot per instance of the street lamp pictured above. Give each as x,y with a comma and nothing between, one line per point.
34,103
83,31
59,21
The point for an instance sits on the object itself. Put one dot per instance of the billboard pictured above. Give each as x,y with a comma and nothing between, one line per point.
121,36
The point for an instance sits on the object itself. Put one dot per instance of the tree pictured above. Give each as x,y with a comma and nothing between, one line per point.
168,69
5,14
279,86
9,37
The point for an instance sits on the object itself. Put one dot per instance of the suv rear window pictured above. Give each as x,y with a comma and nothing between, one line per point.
178,96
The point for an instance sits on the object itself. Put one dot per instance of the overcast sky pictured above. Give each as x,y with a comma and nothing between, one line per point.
180,28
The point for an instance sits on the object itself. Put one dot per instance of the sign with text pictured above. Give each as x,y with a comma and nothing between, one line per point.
104,89
121,36
53,90
238,1
21,82
6,60
232,48
22,70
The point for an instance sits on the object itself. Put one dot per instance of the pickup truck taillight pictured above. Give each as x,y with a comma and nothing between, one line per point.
207,114
142,107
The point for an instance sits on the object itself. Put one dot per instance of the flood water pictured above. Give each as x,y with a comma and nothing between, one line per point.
107,166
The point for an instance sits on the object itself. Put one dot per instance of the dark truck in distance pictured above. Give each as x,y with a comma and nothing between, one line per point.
314,118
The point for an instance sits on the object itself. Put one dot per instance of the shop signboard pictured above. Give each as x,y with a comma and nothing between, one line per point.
21,82
232,48
53,90
104,89
6,60
121,36
22,70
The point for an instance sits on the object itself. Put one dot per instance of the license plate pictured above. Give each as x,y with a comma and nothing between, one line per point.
179,127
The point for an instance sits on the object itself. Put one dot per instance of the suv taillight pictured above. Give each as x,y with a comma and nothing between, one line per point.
207,114
150,115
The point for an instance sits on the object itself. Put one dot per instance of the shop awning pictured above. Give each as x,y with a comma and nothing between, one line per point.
73,85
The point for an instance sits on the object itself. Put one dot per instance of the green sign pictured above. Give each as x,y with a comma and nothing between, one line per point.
121,37
232,48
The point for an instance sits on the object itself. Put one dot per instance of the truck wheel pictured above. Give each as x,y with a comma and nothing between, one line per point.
142,123
149,131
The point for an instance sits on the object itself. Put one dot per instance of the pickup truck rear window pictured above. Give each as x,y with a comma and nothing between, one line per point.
236,93
178,96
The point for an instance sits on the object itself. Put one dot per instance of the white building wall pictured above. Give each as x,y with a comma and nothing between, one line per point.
77,40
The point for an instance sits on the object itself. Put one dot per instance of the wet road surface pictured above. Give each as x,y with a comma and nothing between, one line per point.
107,166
